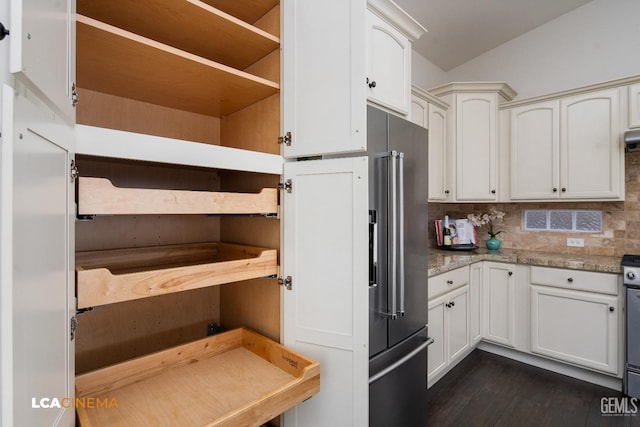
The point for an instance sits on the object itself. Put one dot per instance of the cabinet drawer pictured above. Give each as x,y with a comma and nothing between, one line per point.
448,281
589,281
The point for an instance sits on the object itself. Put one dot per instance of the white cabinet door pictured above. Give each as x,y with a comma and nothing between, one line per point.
389,65
458,328
476,146
323,76
575,326
42,50
419,111
590,146
437,352
37,257
475,305
438,184
634,106
325,252
499,303
535,151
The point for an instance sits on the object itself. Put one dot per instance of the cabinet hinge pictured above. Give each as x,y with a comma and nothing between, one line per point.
73,171
286,186
287,282
74,95
286,139
73,325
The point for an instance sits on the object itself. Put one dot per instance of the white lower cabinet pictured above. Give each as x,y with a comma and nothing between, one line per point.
475,302
499,303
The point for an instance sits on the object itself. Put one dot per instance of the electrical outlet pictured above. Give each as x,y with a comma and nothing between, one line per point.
577,243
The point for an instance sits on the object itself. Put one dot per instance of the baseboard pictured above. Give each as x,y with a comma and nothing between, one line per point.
553,366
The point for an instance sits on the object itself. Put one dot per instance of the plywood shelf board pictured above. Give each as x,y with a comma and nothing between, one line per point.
189,25
103,142
234,378
98,196
116,275
247,10
110,60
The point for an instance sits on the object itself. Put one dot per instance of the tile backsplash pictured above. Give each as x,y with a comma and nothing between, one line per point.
620,221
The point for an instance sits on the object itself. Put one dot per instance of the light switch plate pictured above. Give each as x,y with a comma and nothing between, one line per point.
578,243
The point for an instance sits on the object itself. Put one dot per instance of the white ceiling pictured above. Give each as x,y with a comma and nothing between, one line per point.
459,30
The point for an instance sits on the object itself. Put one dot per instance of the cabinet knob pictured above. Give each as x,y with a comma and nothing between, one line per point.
453,303
570,280
511,273
446,191
493,191
4,31
564,189
449,282
612,309
555,190
371,83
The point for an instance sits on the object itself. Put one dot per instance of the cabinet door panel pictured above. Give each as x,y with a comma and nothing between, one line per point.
476,146
634,106
590,145
43,32
475,307
389,65
437,153
534,151
323,84
37,290
326,311
436,354
458,323
577,327
499,303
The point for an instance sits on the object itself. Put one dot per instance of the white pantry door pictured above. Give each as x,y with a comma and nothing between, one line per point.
42,50
37,290
326,311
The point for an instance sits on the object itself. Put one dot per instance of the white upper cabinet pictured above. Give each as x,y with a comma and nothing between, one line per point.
472,126
590,147
390,32
567,148
634,106
323,90
42,50
535,151
431,113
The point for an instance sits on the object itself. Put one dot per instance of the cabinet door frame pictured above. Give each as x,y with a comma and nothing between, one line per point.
438,189
453,312
612,329
476,271
443,346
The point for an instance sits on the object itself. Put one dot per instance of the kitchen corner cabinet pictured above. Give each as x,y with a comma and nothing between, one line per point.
634,106
390,32
472,126
431,113
568,148
498,291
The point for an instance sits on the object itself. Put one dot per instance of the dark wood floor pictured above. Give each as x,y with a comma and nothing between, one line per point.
490,390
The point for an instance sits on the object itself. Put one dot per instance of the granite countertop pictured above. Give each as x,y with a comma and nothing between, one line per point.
441,261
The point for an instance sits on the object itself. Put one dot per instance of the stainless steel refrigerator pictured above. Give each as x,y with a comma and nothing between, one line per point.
398,340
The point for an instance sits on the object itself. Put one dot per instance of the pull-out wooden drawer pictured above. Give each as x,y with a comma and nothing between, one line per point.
448,281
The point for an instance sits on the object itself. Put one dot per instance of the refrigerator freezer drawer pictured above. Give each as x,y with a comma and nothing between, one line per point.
632,386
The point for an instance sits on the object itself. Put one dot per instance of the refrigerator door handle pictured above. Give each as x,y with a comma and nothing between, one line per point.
400,241
402,361
393,220
373,249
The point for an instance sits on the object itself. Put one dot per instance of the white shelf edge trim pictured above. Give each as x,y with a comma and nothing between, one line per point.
96,141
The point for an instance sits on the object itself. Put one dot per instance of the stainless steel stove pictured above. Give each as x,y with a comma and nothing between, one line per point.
631,377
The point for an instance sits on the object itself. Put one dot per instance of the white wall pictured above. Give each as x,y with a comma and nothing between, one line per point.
424,73
597,42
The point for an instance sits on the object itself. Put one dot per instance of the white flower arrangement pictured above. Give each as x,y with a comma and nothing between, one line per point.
487,219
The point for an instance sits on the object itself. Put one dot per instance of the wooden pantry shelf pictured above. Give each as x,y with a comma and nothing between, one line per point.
121,63
189,25
236,378
116,275
98,196
247,10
